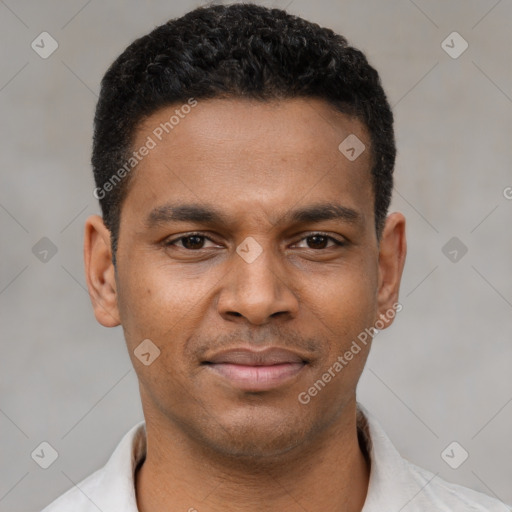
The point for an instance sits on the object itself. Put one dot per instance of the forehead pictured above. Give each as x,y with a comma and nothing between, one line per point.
237,153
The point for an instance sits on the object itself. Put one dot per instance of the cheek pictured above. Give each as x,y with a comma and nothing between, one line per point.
345,313
345,302
158,302
156,307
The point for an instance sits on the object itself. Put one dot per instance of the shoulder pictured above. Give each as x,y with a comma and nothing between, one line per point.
449,496
397,484
112,487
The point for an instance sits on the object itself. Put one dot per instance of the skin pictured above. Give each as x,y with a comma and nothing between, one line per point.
211,445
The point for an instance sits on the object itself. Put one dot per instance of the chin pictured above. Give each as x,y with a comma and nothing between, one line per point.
255,437
255,445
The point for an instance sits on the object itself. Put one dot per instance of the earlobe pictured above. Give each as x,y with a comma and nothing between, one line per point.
100,272
392,252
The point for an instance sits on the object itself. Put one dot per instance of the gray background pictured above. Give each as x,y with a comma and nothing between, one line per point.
441,373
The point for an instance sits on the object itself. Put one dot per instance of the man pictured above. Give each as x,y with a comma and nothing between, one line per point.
243,160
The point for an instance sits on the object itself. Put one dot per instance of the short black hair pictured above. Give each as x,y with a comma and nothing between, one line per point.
234,51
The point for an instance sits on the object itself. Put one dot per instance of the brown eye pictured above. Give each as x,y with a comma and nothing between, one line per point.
319,241
192,242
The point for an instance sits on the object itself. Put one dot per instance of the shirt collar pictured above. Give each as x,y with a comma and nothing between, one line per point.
390,486
116,485
389,475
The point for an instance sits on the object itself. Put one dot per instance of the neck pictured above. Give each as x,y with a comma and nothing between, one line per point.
330,474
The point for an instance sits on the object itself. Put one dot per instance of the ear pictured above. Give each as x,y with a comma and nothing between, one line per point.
392,251
100,272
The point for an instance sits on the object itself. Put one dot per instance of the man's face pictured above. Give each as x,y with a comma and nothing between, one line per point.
212,293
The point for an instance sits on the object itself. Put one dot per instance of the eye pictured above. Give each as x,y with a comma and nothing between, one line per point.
192,241
320,240
196,241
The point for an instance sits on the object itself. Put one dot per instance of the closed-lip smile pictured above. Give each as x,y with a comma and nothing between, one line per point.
256,370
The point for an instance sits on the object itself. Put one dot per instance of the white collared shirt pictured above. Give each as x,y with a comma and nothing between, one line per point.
395,484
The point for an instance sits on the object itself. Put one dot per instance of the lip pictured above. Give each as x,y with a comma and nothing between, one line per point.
261,370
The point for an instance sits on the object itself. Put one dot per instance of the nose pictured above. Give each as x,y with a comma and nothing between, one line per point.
257,290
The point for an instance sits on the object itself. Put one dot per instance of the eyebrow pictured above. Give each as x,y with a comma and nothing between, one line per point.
203,214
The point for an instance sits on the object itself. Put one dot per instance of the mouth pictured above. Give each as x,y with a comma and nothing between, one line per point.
261,370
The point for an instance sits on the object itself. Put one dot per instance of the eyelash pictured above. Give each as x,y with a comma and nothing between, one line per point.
170,243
